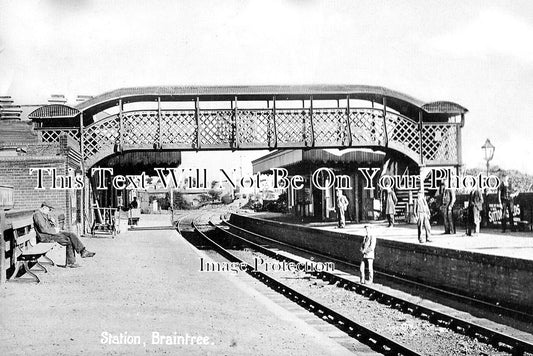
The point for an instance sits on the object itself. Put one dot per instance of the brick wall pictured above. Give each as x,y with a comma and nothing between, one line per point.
493,278
15,171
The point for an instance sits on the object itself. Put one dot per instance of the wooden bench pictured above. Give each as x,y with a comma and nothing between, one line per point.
25,249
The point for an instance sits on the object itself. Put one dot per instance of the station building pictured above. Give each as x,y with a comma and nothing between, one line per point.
318,202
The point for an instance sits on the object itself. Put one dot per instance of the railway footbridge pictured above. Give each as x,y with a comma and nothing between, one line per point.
190,118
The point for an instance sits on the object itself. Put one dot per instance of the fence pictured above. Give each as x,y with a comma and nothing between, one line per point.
522,210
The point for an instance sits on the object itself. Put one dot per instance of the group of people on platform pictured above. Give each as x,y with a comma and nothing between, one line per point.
474,208
447,197
422,214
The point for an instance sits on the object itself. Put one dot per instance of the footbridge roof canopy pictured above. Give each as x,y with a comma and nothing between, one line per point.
395,99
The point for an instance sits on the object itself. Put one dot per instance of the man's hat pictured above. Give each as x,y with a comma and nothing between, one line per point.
47,205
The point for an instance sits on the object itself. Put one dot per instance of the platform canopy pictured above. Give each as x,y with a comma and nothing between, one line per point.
135,162
286,158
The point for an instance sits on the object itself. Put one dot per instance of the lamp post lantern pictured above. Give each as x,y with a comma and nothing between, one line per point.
488,150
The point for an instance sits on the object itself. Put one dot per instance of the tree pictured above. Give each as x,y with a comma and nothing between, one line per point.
227,199
179,202
522,182
214,194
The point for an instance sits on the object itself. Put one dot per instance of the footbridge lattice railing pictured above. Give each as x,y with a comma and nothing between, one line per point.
434,143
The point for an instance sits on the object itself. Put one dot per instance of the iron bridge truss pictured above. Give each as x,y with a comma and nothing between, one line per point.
233,129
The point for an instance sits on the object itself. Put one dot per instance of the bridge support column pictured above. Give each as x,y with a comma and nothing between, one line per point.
311,121
236,132
198,124
385,132
348,123
84,211
420,129
3,266
159,137
120,126
274,127
460,141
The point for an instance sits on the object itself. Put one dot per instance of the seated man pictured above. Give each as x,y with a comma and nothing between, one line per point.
46,232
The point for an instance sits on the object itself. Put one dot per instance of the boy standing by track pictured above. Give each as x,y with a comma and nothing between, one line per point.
367,256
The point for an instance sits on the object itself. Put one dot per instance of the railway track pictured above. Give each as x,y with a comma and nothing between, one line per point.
494,308
481,304
375,340
497,339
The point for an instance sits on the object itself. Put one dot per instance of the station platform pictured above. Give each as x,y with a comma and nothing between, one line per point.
144,282
495,267
489,241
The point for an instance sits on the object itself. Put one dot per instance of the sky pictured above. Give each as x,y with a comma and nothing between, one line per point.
476,53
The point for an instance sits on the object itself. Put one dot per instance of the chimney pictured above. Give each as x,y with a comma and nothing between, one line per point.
9,111
82,98
57,99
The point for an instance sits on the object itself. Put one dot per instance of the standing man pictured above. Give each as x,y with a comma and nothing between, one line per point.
505,199
367,256
422,213
342,205
390,205
45,231
475,205
134,204
448,200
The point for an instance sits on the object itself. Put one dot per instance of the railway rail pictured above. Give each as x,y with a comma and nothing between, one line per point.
481,304
494,308
363,334
375,340
492,337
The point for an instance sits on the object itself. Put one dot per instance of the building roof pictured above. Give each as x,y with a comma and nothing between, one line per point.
284,158
55,111
444,107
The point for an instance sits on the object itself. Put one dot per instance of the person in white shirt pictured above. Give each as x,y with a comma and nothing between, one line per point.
342,205
423,213
367,249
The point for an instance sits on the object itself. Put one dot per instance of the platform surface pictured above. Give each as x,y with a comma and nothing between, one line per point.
489,241
143,282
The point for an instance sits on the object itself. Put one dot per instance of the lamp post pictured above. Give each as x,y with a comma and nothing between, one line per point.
488,151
